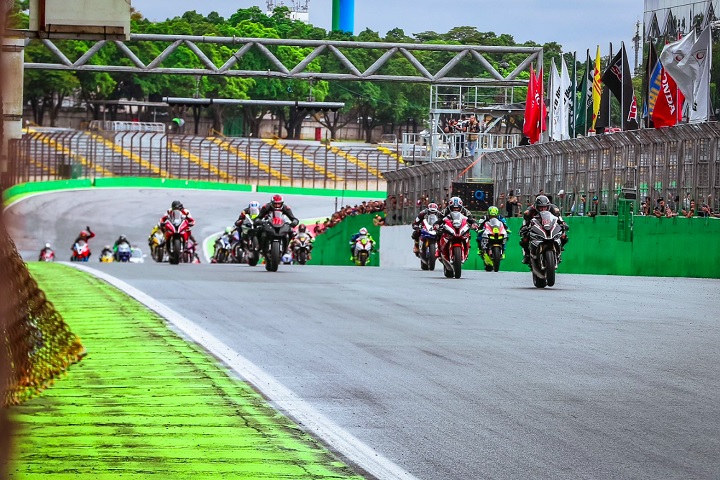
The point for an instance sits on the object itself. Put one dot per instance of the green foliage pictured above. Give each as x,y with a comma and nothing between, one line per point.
372,104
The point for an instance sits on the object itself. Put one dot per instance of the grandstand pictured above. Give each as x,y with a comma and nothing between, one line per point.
52,154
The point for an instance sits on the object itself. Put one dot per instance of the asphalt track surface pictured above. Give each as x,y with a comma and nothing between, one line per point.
481,377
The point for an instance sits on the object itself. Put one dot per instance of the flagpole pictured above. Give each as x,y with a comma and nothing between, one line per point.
623,119
573,134
587,73
609,125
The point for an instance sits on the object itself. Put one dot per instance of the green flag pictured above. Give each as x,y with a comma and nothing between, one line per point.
582,116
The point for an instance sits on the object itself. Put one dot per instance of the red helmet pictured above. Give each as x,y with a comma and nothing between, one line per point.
277,202
84,234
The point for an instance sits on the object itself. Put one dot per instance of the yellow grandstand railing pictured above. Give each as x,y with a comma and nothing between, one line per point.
66,151
390,153
250,159
300,158
198,161
353,159
129,154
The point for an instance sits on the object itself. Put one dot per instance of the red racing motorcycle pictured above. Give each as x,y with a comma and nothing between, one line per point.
454,243
177,233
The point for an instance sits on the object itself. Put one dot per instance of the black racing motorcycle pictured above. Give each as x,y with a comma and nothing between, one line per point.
545,248
274,238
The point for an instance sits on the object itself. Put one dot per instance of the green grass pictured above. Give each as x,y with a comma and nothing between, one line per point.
146,404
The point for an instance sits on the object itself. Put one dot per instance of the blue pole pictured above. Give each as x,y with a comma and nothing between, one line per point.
347,16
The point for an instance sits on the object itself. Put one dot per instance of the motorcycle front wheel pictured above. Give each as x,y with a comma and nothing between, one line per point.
302,256
273,260
457,261
431,256
175,253
362,258
550,264
496,257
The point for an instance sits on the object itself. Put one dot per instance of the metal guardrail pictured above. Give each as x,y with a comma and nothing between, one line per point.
41,156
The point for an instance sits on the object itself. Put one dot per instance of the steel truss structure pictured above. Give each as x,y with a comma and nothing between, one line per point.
473,53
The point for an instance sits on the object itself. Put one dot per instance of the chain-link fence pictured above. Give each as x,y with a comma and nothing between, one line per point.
51,155
668,163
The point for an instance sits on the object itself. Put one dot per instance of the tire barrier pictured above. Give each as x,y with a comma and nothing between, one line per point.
38,341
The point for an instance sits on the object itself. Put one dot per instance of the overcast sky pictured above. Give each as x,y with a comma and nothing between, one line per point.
577,25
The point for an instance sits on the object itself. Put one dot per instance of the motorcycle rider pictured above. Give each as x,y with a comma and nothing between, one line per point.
276,204
302,229
121,239
542,204
493,212
362,232
177,205
455,204
107,250
252,210
431,209
218,243
85,235
47,249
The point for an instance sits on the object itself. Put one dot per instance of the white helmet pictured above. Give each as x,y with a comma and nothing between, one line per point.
47,245
363,231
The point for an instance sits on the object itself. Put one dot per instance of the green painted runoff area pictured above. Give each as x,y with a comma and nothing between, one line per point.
144,404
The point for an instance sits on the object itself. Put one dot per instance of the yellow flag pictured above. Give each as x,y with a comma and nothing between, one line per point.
596,89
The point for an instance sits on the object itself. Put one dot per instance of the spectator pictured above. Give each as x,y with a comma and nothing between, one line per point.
579,208
378,221
473,130
686,202
594,207
644,208
690,211
660,209
511,206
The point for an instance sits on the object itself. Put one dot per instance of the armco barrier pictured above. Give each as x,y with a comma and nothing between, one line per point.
333,247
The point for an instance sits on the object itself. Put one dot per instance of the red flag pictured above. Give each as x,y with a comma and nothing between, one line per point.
668,106
542,107
530,128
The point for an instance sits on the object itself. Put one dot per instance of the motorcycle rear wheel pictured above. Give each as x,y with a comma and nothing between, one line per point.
550,267
457,261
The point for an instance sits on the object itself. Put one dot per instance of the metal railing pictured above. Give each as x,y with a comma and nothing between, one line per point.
668,163
41,156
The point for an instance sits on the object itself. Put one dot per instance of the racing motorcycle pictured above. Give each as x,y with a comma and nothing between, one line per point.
190,254
275,235
47,255
247,250
177,233
428,242
454,244
157,246
362,250
545,248
107,256
492,244
223,249
123,253
302,244
81,252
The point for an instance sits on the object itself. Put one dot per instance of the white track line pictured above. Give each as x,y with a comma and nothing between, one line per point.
287,401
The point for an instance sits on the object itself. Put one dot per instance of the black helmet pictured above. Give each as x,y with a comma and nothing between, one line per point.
302,228
542,203
177,205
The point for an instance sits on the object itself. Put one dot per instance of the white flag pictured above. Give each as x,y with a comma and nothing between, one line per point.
556,101
567,91
672,56
698,64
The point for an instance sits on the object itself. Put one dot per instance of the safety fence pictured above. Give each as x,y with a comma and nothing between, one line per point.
409,188
670,162
39,343
51,155
652,163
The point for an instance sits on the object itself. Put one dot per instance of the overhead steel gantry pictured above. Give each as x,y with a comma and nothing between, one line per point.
473,53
